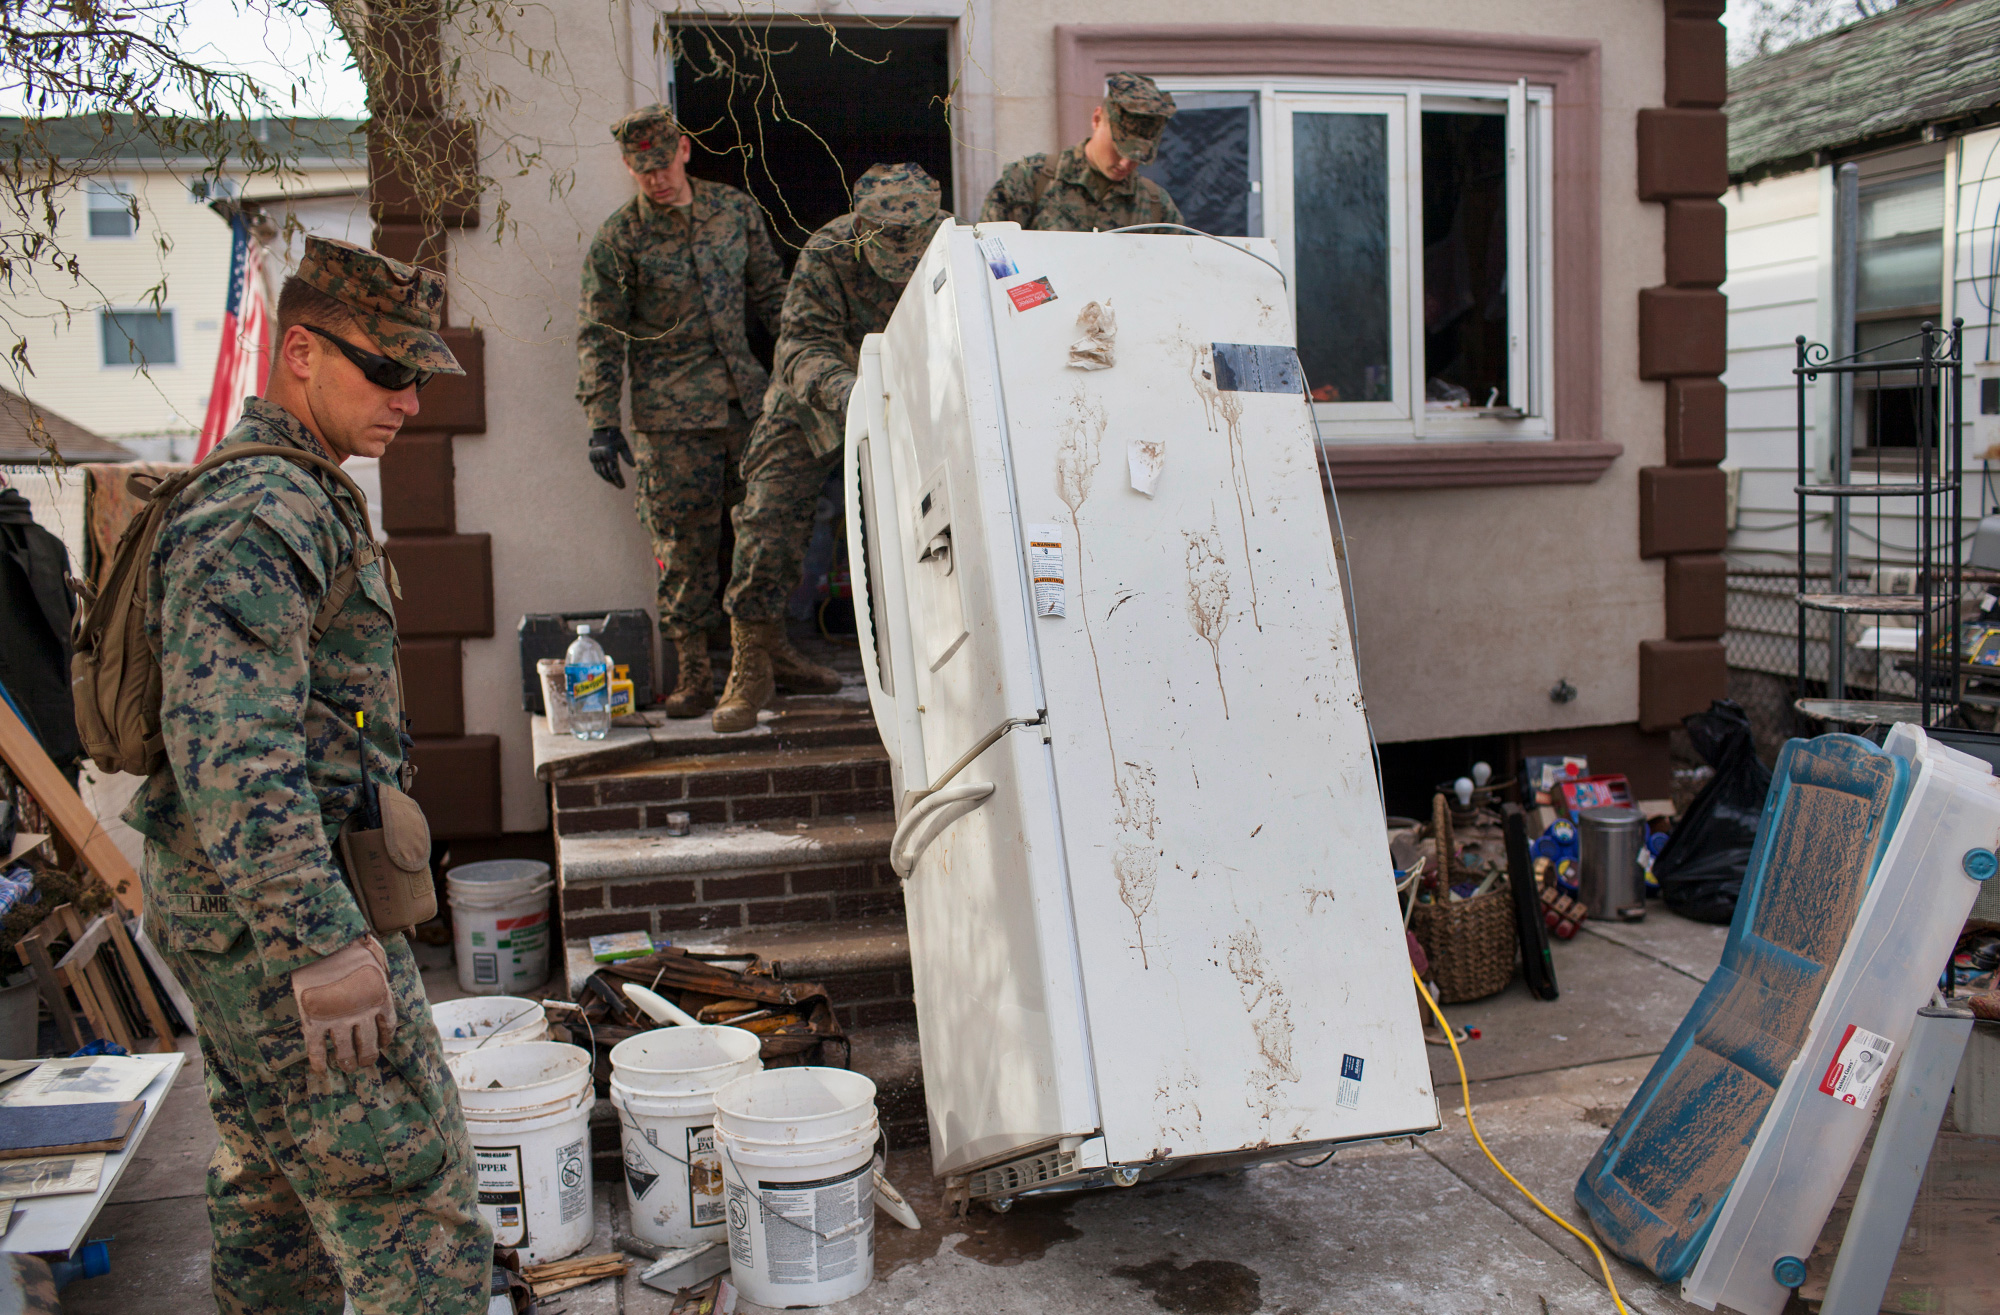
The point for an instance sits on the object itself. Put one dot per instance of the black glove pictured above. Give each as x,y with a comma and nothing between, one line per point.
606,446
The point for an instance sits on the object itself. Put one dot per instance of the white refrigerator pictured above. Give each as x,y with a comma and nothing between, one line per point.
1152,913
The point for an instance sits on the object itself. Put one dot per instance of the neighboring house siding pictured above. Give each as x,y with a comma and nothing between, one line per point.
1774,292
59,316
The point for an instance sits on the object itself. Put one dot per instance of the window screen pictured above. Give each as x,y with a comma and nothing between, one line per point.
1209,160
1900,248
137,337
1340,217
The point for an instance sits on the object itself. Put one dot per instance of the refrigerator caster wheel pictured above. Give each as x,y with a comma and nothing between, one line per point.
1000,1205
1124,1175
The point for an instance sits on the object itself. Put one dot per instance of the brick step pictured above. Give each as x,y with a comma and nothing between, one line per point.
728,876
766,784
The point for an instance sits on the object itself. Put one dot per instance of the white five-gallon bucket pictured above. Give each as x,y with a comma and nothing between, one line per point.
482,1022
798,1155
527,1107
500,922
663,1086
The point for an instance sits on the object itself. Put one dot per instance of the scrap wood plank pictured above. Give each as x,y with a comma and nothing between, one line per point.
562,1275
65,809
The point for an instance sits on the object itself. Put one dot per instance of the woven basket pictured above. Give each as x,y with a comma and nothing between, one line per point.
1470,944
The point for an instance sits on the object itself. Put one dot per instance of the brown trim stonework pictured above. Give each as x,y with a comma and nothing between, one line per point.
1442,465
446,576
1683,341
1087,53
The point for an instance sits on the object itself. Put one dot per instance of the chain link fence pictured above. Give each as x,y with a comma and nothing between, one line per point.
1762,642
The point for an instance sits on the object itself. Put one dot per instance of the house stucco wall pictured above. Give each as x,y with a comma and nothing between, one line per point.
1472,601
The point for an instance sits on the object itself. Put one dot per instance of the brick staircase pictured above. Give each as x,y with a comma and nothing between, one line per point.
786,858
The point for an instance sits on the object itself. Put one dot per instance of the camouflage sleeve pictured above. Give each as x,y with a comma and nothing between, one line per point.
812,355
1169,213
1012,198
764,274
601,316
241,582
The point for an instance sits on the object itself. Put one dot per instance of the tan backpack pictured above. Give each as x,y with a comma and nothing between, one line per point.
115,675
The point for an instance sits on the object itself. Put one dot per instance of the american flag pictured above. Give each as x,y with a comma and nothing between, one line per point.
246,338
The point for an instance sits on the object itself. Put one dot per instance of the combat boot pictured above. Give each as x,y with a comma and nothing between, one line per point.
750,684
694,690
794,672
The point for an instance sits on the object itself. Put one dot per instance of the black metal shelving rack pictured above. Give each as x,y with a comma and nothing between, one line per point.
1937,494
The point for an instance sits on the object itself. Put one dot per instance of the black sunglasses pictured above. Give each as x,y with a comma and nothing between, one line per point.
377,370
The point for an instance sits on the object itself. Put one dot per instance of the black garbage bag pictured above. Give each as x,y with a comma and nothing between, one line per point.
1701,869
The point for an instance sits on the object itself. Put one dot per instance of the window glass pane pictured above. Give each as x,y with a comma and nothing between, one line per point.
110,209
1208,157
136,337
1340,238
1901,244
1465,260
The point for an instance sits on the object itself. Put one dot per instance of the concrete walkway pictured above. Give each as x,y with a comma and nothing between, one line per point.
1426,1228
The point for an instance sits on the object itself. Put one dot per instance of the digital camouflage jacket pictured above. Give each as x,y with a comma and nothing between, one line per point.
262,760
663,295
1075,197
836,299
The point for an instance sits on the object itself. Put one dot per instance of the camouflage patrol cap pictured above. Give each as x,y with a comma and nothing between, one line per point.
648,137
1138,111
895,213
400,306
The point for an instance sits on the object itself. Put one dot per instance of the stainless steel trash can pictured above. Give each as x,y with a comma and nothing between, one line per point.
1610,840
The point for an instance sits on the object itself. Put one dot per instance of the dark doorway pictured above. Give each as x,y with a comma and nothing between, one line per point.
794,112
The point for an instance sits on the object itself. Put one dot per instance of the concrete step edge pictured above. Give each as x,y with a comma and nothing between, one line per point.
600,857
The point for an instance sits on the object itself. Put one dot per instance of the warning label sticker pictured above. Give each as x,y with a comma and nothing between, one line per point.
497,1170
1045,569
1857,1066
1027,296
573,1175
704,1178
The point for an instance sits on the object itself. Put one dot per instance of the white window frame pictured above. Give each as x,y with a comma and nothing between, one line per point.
1530,205
169,313
95,188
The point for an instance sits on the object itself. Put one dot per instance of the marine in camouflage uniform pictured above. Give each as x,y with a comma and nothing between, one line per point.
358,1181
844,287
1070,193
664,288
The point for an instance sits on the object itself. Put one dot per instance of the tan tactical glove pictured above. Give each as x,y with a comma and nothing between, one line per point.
346,994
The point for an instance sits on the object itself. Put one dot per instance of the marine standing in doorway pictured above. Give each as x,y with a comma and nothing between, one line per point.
1094,185
664,286
848,280
354,1177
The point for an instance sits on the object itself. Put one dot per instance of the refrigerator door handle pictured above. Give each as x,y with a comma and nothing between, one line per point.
915,831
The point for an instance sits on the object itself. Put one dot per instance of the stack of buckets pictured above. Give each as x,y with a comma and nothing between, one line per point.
663,1085
527,1107
500,924
798,1163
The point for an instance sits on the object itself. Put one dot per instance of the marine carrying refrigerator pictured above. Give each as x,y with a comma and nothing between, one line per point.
1152,916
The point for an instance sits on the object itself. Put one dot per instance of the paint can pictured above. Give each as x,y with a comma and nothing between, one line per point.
663,1085
500,924
527,1108
798,1157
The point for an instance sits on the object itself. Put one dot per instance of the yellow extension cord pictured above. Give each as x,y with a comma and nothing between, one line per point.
1465,1088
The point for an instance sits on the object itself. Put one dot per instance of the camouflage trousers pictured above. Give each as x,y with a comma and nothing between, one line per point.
359,1182
781,483
689,480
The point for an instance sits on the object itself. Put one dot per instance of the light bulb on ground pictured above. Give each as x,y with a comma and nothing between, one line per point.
1462,787
1481,774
